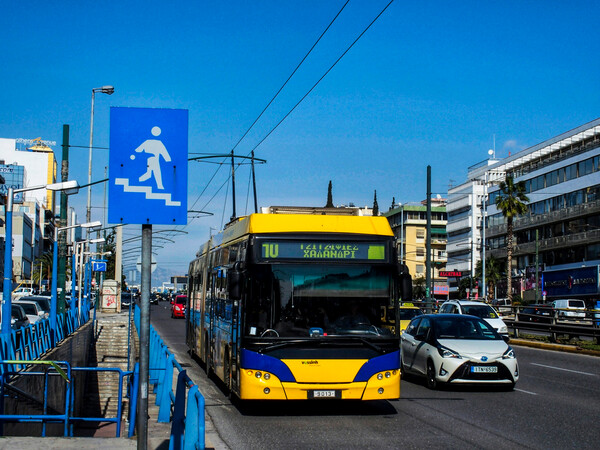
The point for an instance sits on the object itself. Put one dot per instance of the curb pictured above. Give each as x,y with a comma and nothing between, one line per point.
555,347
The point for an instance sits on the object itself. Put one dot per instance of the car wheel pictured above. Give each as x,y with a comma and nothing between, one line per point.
432,382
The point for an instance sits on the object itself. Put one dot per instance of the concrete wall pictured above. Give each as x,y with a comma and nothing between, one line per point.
75,350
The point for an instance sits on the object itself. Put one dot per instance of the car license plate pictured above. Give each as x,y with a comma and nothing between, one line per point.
329,393
484,369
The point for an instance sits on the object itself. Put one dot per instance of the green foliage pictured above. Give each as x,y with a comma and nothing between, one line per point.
511,202
329,196
419,287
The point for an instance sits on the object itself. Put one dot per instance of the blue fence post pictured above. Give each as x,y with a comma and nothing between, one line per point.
133,399
177,428
164,391
194,423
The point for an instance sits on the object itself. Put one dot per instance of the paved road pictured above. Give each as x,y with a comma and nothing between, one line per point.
556,405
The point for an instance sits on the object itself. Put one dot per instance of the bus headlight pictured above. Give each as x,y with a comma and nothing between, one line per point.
267,376
380,376
258,374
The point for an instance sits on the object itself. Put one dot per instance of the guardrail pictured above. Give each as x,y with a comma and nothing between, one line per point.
67,416
32,341
188,427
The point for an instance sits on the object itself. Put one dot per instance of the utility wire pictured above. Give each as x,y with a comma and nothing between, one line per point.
290,77
324,75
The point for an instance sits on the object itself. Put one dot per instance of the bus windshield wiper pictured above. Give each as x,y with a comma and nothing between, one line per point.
327,341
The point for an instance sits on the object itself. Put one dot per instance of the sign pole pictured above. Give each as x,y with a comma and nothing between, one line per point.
145,336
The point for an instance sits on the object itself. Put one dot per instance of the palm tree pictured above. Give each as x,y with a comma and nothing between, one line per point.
493,272
510,201
42,267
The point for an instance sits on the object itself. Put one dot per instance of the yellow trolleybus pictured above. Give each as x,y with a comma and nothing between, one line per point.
292,306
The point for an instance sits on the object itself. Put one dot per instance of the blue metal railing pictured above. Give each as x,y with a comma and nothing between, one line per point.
32,341
188,424
67,416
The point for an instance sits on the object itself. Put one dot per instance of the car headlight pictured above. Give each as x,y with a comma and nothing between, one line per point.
509,354
447,353
503,329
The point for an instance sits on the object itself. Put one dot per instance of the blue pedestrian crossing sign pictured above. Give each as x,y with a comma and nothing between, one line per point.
148,166
99,265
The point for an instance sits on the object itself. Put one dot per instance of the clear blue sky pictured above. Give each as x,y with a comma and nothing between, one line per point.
429,83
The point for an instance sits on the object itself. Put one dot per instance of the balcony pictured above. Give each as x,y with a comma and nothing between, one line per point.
547,218
458,225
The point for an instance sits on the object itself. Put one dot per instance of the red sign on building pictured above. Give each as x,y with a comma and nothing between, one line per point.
450,273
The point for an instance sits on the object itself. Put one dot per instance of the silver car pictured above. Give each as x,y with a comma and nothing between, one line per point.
457,349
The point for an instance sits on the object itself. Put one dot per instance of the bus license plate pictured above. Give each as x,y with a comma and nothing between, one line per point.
484,369
322,394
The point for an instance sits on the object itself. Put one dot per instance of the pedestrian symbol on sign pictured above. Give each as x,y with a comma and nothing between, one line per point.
148,166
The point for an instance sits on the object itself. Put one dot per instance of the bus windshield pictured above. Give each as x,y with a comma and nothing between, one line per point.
302,300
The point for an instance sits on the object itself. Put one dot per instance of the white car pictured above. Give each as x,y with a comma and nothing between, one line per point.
569,308
20,292
478,309
32,309
457,349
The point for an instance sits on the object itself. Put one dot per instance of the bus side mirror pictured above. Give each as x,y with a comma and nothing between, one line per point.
235,282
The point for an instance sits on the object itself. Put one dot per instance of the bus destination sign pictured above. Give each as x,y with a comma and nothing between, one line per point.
354,251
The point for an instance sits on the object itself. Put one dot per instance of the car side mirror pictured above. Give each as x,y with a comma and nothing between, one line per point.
506,338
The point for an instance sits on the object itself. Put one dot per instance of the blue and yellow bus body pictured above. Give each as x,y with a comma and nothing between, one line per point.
288,307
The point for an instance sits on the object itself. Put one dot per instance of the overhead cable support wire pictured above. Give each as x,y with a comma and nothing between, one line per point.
291,75
324,75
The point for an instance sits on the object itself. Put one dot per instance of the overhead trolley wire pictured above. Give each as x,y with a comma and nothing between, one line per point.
290,77
324,75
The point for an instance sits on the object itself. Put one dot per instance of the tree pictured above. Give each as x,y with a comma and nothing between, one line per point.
393,203
375,205
329,196
42,268
493,271
510,202
419,287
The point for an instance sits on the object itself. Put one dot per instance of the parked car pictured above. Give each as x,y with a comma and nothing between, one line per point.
178,306
32,309
18,317
21,291
477,309
43,301
569,308
539,312
502,305
457,349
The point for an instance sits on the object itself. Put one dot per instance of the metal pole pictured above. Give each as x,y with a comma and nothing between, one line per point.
53,298
62,245
254,185
142,418
428,243
73,278
537,265
88,214
483,287
234,215
8,266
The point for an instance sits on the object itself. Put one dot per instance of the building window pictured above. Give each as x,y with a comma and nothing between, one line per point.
420,269
420,233
420,252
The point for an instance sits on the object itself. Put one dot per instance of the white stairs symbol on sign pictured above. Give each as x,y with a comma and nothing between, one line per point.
147,190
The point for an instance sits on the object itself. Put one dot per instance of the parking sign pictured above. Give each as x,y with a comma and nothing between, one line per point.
148,166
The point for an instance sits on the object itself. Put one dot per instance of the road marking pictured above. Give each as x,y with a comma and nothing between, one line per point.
566,370
525,392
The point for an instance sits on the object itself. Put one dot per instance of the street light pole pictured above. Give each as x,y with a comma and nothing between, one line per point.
72,186
105,90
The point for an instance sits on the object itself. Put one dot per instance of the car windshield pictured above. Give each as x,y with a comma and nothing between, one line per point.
407,314
460,327
483,311
29,308
180,300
